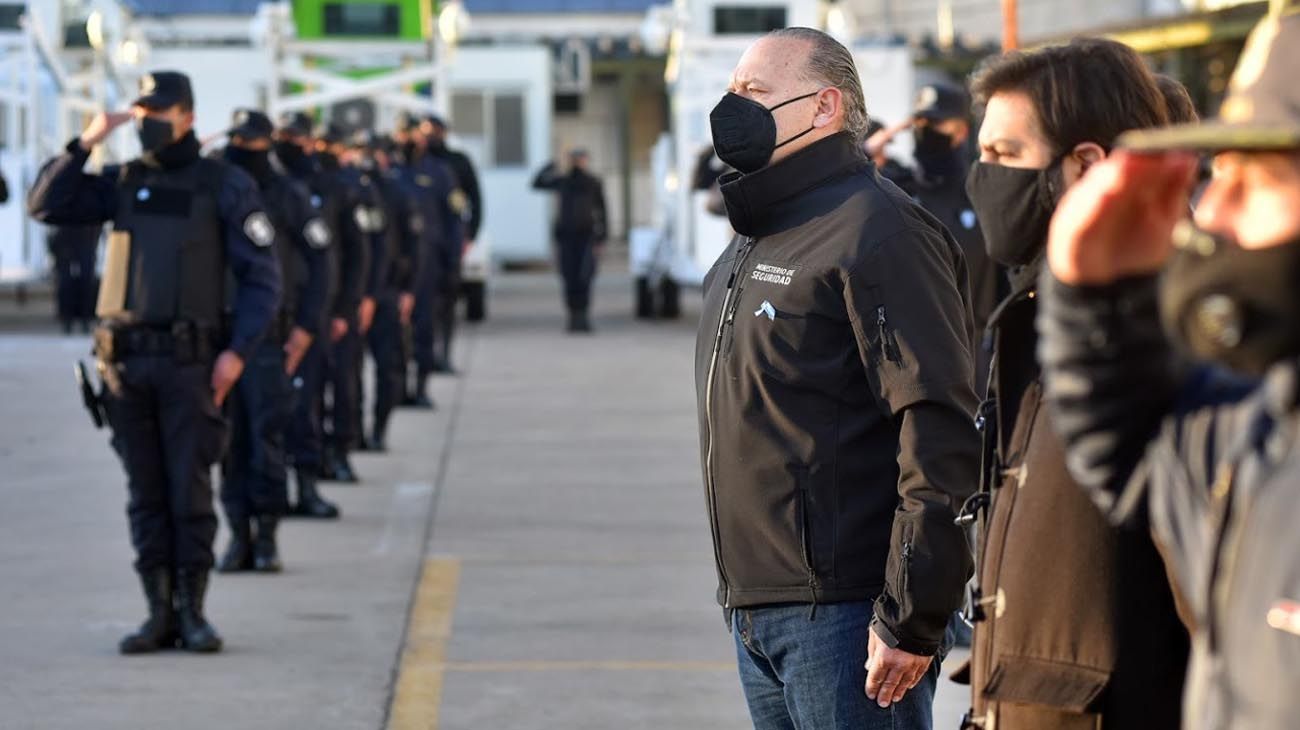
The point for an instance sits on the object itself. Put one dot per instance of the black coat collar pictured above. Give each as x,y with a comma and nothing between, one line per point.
761,202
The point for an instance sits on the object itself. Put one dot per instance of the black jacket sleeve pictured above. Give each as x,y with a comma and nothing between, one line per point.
64,195
599,221
548,178
4,190
250,254
377,268
353,258
413,228
313,238
464,170
914,335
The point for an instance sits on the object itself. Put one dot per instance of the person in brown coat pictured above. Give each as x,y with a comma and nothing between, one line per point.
1067,635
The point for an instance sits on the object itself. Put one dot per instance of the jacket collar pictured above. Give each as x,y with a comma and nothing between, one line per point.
181,153
757,203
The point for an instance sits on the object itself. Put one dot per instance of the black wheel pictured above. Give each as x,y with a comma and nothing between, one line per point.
475,301
670,299
644,298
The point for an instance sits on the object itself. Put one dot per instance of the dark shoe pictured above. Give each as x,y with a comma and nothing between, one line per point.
159,631
377,443
266,557
443,366
343,471
582,323
419,398
239,554
310,503
197,635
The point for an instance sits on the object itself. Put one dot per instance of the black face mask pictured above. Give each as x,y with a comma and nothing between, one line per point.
155,134
1014,207
255,162
744,131
290,154
327,161
1239,307
934,151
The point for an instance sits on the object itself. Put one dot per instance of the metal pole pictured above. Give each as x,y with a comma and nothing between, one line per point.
1010,25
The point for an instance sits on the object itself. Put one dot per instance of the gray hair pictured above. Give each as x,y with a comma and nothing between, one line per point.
830,64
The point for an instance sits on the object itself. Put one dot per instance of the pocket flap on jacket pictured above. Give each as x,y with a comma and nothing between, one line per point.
1034,681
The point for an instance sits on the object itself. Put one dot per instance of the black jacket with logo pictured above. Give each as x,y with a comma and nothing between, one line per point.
835,385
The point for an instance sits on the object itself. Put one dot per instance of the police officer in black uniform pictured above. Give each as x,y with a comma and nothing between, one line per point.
168,361
254,492
360,214
471,215
294,148
436,189
74,249
393,284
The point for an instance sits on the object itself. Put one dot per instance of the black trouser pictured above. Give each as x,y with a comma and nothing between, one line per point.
385,340
445,310
168,434
342,378
260,406
577,268
77,283
304,435
424,319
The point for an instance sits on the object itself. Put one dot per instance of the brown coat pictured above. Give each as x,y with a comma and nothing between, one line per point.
1080,629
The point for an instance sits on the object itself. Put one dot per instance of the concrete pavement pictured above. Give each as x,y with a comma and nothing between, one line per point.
535,554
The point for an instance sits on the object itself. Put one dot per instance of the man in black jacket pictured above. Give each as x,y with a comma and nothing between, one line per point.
834,376
580,232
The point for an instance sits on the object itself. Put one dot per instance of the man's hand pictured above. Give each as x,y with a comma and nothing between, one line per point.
405,306
466,245
101,126
892,673
225,373
1118,220
365,314
338,329
877,142
296,349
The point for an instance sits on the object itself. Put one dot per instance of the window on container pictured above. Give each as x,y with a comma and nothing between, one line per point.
363,19
467,111
747,20
508,142
9,15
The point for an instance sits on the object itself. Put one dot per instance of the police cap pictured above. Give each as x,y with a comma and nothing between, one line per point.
937,102
165,89
332,133
250,124
296,123
437,121
1262,111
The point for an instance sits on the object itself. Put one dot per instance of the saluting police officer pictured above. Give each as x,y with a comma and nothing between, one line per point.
255,491
180,222
294,148
358,212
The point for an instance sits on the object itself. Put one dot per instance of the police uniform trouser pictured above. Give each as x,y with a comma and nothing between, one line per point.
578,269
448,293
424,319
168,433
77,283
342,379
259,408
385,340
304,437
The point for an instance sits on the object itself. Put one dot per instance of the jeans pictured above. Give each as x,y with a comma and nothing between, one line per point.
805,671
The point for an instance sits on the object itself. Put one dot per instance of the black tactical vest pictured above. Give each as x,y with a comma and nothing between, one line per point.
178,258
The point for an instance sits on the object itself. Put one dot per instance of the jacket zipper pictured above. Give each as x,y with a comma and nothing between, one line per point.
805,547
729,304
887,344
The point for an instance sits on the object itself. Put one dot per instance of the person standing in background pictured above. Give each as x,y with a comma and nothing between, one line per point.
580,232
74,249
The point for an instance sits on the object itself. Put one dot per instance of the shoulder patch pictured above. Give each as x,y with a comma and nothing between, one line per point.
316,233
258,228
316,201
458,201
968,220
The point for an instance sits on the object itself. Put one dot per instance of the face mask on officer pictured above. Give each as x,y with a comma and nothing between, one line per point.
290,153
744,131
155,134
256,162
934,151
1236,306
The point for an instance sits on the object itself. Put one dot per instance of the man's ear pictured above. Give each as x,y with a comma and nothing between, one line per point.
1088,154
830,102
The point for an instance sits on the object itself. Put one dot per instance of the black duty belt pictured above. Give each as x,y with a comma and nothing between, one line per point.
186,342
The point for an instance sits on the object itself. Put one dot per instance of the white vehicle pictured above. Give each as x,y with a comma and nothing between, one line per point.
685,240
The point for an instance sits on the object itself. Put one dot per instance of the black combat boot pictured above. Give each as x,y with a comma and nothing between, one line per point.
582,323
266,556
420,398
239,553
310,503
328,463
159,631
378,442
343,471
197,634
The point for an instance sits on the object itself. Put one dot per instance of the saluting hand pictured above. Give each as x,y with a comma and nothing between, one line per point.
101,126
225,373
892,673
1118,220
